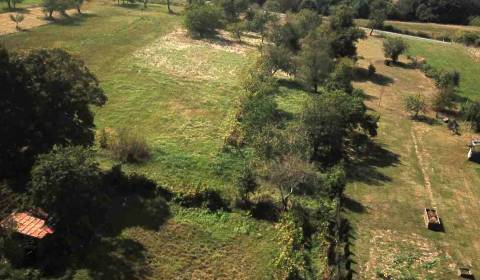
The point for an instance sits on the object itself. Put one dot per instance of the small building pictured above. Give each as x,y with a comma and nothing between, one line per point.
465,273
26,224
472,145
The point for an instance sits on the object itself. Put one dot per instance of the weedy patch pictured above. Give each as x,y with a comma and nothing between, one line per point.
207,59
401,256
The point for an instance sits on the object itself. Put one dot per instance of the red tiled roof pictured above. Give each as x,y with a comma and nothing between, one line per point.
26,224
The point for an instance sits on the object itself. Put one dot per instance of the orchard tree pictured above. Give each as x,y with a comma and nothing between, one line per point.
342,33
415,104
202,20
17,18
246,183
314,63
46,99
394,47
378,14
471,113
328,120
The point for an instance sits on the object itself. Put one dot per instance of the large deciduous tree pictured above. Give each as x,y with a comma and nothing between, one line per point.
329,119
45,100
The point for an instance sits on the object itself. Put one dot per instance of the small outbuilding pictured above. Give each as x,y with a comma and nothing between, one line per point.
471,152
27,224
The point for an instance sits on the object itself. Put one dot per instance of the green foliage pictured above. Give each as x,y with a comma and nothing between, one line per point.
46,98
17,18
471,112
475,21
444,99
232,8
469,38
236,29
378,13
278,58
415,104
342,33
130,147
329,118
314,63
342,76
259,21
246,183
371,70
66,184
393,47
202,20
441,11
291,263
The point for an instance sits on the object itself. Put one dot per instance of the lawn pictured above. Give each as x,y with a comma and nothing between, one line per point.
180,94
434,30
452,57
419,165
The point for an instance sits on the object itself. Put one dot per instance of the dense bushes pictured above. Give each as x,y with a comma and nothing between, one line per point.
469,39
202,20
471,112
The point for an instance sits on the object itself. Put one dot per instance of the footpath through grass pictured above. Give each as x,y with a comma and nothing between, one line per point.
419,165
180,94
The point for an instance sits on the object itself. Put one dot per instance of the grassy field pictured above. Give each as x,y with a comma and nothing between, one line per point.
434,30
180,94
420,165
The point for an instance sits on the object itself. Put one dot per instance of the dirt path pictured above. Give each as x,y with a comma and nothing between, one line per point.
422,161
33,17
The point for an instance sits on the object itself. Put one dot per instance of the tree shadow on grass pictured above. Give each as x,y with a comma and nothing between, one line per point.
361,75
117,258
353,205
74,20
363,166
135,211
290,84
426,120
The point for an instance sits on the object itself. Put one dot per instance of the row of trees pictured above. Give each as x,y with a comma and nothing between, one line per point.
305,158
61,6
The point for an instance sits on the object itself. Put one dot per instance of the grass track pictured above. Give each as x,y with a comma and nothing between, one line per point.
386,213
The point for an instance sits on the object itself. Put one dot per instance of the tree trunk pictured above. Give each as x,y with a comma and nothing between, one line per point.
78,9
168,6
145,4
50,14
9,3
315,86
371,32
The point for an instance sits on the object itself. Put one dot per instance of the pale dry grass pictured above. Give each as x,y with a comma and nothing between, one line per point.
179,55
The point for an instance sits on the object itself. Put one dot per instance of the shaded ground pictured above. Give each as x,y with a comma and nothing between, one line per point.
390,235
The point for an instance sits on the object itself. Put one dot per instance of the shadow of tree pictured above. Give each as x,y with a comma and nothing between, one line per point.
73,20
117,258
363,165
361,75
353,205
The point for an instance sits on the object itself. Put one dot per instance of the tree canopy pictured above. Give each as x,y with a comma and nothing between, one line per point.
45,101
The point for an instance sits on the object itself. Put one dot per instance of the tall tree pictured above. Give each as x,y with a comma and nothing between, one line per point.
314,63
45,100
378,14
329,119
342,33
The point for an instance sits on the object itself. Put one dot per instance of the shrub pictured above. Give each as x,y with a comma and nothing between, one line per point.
246,183
444,99
203,198
471,112
475,21
130,147
202,20
469,38
415,104
371,70
394,47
